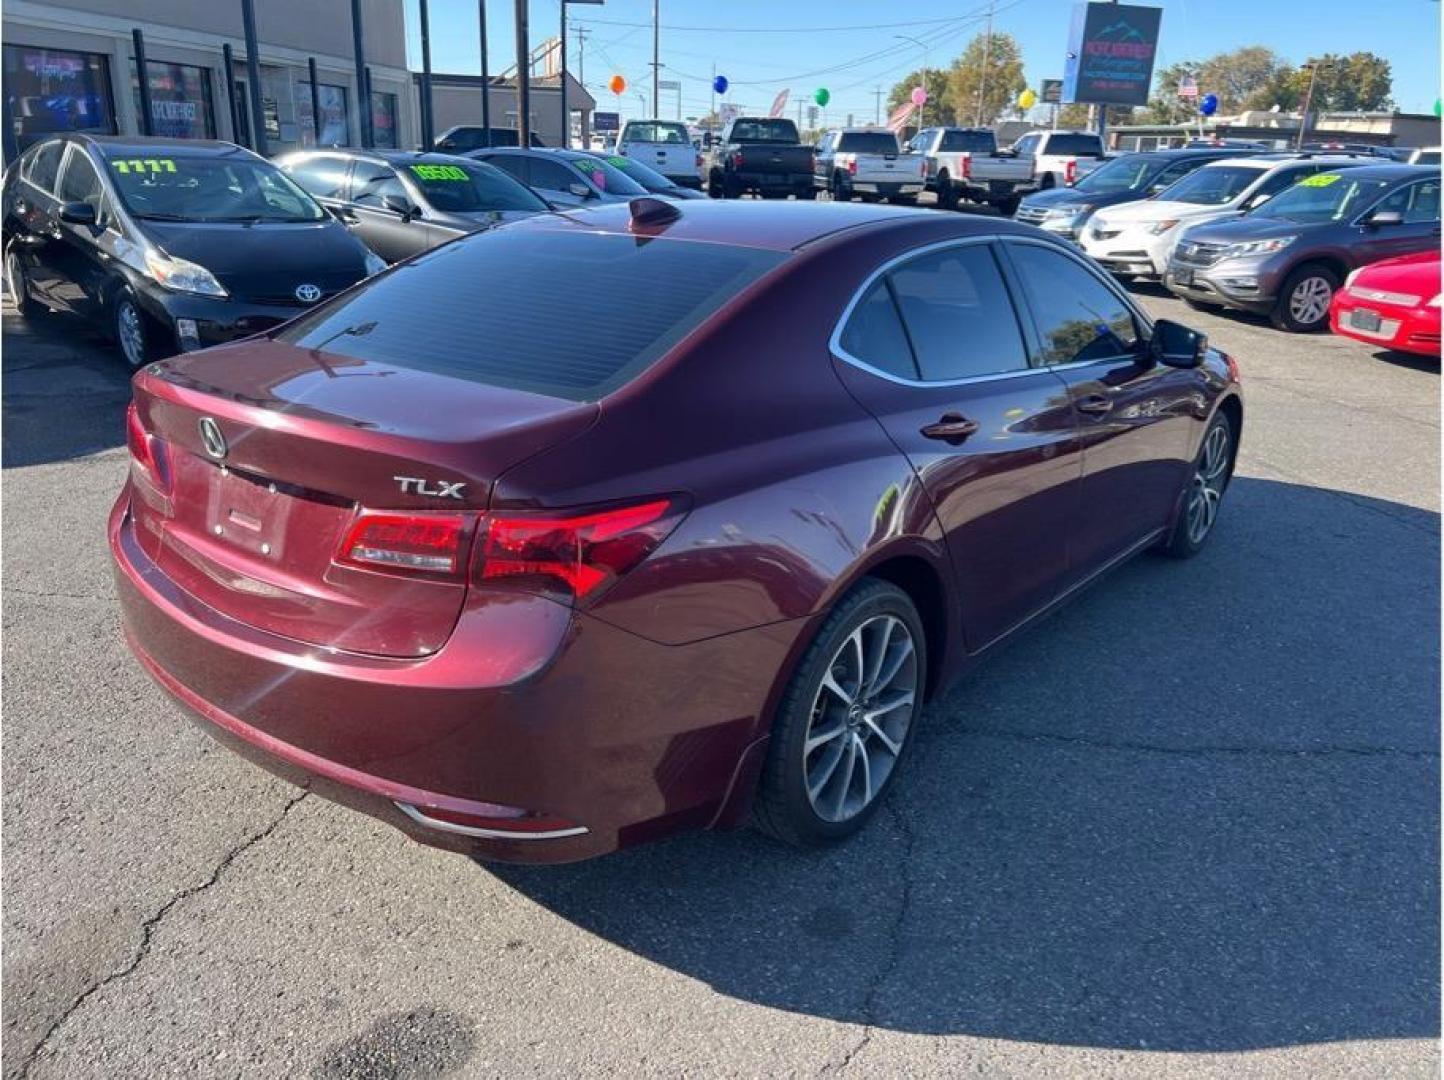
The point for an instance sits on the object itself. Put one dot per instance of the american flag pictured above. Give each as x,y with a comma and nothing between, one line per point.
1188,86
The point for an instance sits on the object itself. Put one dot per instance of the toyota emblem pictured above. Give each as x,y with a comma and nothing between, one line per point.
212,439
308,293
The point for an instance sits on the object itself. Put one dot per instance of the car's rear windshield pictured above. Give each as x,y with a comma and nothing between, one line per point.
784,131
570,315
1212,185
1128,173
657,131
465,187
867,142
973,142
187,187
1075,145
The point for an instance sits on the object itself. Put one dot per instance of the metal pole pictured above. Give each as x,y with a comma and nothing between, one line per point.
253,77
582,81
1308,101
713,88
523,75
427,130
987,58
485,80
359,47
228,61
562,82
142,76
656,67
369,116
922,109
877,107
315,102
11,144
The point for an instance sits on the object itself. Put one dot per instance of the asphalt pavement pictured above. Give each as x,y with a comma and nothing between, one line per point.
1188,826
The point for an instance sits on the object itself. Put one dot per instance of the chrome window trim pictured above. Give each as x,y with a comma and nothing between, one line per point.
834,343
421,818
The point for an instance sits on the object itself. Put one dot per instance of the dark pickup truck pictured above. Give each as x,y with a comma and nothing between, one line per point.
761,154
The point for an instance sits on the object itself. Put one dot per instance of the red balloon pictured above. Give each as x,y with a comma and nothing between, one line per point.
617,85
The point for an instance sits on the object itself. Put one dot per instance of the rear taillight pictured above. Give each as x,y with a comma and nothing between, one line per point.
149,453
967,167
431,544
1070,172
572,556
852,166
737,159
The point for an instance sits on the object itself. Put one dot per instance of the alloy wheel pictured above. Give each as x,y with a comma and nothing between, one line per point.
860,718
131,333
1309,302
1208,483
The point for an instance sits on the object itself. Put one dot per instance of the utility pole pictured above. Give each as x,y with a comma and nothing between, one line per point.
713,88
923,109
427,130
1308,101
523,75
582,33
987,59
877,107
485,79
253,72
656,49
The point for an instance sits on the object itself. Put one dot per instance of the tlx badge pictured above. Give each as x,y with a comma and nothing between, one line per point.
442,489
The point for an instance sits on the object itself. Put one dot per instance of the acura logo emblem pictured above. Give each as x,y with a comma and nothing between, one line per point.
308,293
212,439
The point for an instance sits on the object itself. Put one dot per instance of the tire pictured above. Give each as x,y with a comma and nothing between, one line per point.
903,200
870,198
714,185
16,282
730,188
839,189
1009,206
809,799
948,195
1303,303
134,333
1048,182
808,195
1212,470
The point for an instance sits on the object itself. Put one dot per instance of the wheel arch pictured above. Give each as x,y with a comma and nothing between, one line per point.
1232,407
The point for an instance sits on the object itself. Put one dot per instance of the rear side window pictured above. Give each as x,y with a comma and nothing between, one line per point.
80,183
1028,144
874,334
958,315
868,142
44,165
1078,317
568,315
321,176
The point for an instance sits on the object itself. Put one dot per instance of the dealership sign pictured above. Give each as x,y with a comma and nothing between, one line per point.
1111,48
606,121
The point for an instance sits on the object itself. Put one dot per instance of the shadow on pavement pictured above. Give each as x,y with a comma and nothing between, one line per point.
1196,810
65,390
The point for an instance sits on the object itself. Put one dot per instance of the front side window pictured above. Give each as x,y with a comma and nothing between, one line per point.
49,90
180,100
323,176
371,183
231,187
1127,173
1417,203
80,182
334,127
1077,316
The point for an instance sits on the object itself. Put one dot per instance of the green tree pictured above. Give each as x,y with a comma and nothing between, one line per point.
1075,116
940,107
984,89
1360,81
1244,78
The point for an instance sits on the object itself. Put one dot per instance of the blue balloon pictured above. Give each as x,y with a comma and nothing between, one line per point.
719,84
1209,105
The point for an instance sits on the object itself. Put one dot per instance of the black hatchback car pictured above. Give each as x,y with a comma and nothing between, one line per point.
169,244
403,202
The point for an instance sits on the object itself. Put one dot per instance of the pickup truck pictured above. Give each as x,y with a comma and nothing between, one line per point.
1060,157
865,162
960,163
762,154
663,146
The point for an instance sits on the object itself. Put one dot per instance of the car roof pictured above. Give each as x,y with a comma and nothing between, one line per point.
771,225
1393,171
1270,161
122,145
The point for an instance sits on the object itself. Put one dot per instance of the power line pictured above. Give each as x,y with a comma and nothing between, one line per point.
777,29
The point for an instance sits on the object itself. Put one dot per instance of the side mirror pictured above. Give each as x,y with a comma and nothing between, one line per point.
1377,218
80,213
399,205
1176,345
581,191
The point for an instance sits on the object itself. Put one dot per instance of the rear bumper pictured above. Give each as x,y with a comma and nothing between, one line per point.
527,705
772,182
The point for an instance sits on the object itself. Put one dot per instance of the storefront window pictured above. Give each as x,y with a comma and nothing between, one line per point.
383,120
334,128
50,90
180,100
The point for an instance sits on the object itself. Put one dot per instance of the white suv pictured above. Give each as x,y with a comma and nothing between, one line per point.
1135,239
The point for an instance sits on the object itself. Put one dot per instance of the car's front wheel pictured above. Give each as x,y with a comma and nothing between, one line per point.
132,330
1303,302
1212,470
846,719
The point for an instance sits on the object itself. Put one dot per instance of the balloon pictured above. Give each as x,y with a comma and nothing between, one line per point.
1437,105
719,84
1027,99
919,96
617,85
822,95
1209,105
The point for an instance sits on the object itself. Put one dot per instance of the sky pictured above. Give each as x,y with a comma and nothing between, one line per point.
852,48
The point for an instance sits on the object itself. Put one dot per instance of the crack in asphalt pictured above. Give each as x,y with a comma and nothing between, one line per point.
894,956
148,932
1257,749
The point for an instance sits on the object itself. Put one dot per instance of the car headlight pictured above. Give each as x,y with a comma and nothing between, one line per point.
1058,213
1258,247
182,275
1435,301
1158,228
374,263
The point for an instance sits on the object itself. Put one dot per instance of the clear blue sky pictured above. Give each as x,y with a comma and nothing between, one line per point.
764,46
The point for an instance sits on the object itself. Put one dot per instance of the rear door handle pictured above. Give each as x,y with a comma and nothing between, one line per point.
951,428
1097,404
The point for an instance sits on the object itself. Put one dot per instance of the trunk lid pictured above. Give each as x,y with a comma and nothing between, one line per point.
310,439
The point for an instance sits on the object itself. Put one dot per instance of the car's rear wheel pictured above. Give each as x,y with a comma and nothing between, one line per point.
19,287
1303,303
840,191
1212,470
846,718
133,331
948,195
714,184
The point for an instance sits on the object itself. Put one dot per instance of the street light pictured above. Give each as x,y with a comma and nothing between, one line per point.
923,108
1308,100
562,82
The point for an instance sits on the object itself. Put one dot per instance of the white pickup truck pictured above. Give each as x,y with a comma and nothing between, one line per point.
664,146
1060,157
960,163
866,162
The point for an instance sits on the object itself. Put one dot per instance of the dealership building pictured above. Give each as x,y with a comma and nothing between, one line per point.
69,65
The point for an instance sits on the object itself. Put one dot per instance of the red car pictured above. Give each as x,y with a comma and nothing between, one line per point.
1394,303
594,527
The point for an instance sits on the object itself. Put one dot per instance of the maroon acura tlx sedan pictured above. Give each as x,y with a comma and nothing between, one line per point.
594,527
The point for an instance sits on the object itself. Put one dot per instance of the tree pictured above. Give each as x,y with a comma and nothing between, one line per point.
983,89
1237,77
940,106
1076,116
1361,81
